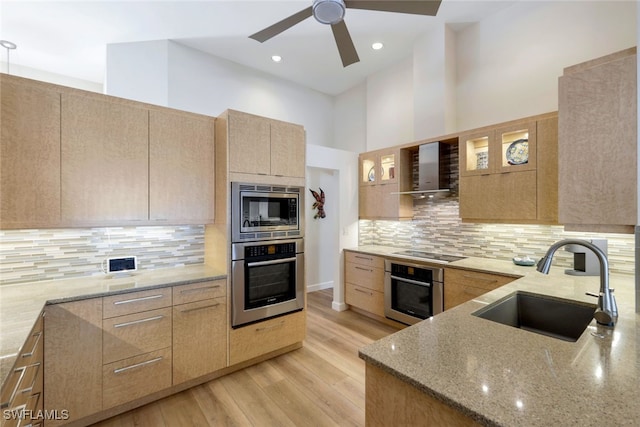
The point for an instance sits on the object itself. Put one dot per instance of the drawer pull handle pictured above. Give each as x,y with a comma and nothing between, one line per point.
266,328
365,269
189,310
188,291
137,365
135,322
35,345
364,292
364,257
127,301
481,279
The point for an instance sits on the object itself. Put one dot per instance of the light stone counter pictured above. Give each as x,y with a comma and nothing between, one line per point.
21,304
505,376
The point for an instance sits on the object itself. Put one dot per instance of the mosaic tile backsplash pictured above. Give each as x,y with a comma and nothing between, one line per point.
35,255
436,227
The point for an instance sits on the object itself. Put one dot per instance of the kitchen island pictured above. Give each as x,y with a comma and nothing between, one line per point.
459,369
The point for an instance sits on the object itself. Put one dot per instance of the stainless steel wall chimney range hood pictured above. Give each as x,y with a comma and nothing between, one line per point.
429,172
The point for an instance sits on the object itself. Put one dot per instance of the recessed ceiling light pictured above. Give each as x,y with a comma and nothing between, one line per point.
377,46
276,58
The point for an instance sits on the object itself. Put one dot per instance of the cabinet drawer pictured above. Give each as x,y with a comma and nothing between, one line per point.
199,291
135,302
475,279
21,384
260,338
136,377
364,259
364,275
127,336
365,299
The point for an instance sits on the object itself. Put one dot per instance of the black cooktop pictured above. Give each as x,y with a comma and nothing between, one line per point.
429,255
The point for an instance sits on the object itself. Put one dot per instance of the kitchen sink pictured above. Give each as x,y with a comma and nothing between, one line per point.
557,318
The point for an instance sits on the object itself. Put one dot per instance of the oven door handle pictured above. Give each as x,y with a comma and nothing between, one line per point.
275,261
413,282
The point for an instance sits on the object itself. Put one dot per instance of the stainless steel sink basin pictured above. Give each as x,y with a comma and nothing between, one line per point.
558,318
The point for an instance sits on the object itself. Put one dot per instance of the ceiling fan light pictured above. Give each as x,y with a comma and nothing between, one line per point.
328,11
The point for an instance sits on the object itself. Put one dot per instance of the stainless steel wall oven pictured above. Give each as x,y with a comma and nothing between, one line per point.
412,292
266,212
267,278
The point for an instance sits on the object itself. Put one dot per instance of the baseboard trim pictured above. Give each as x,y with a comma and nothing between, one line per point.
320,286
339,306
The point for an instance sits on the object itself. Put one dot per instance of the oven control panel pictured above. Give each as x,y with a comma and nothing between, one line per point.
281,249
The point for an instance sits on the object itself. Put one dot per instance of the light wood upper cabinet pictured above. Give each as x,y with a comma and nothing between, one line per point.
382,174
249,143
287,149
29,154
105,155
262,146
508,172
181,167
598,144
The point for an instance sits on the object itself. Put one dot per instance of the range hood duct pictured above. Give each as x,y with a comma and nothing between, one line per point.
430,173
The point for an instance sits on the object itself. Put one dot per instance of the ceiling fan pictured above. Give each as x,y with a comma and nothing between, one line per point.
331,12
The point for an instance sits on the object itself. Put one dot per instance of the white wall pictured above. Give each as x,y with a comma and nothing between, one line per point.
508,65
346,202
350,120
45,76
195,81
138,71
390,106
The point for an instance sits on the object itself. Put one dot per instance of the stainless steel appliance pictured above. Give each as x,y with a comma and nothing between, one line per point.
267,278
266,212
412,292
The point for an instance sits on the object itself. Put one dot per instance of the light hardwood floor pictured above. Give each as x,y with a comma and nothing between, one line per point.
321,384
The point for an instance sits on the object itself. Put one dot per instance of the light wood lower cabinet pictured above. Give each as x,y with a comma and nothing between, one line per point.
254,340
133,334
199,338
135,377
461,286
21,394
364,281
73,359
390,401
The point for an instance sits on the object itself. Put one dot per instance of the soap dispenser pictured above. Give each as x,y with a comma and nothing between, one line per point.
585,262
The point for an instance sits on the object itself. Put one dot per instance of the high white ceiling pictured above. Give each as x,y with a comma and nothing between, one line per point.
70,37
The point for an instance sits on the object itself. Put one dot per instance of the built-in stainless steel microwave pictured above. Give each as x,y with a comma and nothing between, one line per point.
266,212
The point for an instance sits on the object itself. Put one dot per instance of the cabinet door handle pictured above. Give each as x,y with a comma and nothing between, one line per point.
204,288
189,310
267,328
127,301
481,279
135,322
364,269
35,345
364,292
137,365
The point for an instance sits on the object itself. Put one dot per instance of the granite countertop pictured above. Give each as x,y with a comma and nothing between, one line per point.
505,376
21,304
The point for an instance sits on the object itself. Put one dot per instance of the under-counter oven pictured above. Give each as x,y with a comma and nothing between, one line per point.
412,292
267,278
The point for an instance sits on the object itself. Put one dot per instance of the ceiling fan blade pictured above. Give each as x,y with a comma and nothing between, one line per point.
416,7
346,48
279,27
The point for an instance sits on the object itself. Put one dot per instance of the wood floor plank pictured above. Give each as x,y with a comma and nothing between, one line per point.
257,405
320,384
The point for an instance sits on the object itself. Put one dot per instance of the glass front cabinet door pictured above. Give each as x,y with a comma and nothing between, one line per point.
378,167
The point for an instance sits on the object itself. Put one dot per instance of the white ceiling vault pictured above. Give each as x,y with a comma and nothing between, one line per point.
70,37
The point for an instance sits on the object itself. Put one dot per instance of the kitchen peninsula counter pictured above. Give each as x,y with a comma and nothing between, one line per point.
21,304
492,374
